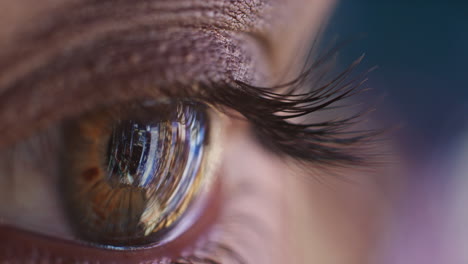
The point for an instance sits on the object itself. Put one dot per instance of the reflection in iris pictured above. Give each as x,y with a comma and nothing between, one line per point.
137,183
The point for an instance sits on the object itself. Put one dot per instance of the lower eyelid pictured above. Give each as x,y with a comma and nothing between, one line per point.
41,248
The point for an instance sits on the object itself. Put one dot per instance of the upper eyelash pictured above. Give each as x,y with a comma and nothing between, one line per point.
271,110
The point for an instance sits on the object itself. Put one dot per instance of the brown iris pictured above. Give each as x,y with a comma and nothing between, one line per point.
133,171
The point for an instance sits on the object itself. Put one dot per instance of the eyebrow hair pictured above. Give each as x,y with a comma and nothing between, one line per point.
86,57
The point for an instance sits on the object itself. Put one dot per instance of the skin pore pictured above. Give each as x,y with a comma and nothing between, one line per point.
59,59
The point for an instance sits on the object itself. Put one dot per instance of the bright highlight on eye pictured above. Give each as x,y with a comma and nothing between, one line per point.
132,173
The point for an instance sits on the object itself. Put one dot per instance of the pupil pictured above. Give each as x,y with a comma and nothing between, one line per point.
127,152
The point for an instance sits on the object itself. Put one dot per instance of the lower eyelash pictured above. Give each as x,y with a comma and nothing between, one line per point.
209,254
213,250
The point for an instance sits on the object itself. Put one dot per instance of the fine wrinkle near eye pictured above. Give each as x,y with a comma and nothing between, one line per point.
131,174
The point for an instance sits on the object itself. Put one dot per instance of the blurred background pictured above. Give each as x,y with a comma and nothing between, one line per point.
421,49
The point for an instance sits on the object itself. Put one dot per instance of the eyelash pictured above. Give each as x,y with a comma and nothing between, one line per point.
272,111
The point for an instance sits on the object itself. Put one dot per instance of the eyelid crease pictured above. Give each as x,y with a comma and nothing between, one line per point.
122,67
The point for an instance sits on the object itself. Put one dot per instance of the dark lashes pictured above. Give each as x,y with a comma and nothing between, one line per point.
273,110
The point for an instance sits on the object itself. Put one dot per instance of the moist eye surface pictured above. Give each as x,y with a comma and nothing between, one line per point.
131,174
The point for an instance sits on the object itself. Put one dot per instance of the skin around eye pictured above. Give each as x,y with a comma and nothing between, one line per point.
63,58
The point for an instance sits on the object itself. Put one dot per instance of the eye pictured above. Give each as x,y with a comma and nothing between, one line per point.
133,172
130,176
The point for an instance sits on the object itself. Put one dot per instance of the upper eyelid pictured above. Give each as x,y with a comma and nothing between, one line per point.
83,42
120,68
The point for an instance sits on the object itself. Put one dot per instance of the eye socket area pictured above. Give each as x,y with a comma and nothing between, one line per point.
181,140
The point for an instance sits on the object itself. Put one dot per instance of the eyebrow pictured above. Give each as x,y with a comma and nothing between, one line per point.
100,52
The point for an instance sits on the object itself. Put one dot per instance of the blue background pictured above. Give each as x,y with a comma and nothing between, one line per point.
421,51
